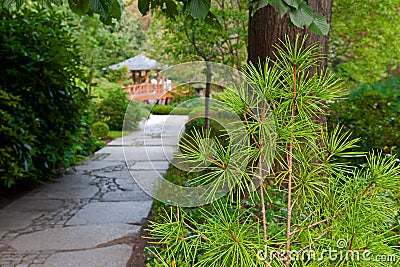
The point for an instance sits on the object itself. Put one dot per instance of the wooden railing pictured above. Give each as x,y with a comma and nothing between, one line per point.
146,91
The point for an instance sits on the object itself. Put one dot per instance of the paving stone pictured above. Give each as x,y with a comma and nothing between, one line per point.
136,153
149,141
127,184
92,165
125,174
147,165
147,179
134,195
111,212
29,204
13,220
66,187
114,256
72,237
112,197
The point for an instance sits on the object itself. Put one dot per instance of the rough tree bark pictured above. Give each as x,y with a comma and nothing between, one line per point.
266,27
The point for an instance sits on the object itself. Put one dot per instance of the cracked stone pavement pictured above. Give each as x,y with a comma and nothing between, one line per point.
77,219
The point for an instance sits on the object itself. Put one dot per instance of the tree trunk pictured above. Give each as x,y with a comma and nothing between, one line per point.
266,28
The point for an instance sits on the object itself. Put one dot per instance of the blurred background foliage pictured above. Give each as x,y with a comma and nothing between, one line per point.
54,87
364,40
371,112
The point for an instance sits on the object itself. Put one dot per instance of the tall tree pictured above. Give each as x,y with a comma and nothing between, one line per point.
269,20
184,38
267,26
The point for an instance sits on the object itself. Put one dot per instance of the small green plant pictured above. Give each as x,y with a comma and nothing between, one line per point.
162,109
113,107
295,201
100,130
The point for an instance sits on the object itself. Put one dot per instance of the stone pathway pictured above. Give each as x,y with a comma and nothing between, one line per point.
82,218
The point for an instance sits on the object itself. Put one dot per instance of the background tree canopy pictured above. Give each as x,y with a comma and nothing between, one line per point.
364,39
181,39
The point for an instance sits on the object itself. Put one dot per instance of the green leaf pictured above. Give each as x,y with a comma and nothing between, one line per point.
114,13
79,7
303,16
293,3
144,6
279,6
171,9
199,8
101,7
319,26
212,20
257,4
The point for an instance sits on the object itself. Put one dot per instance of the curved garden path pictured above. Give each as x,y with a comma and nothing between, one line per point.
86,217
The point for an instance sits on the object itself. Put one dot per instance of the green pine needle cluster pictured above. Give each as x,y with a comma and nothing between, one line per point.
295,204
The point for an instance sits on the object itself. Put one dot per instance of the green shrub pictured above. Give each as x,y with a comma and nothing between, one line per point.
197,111
181,111
372,113
100,129
119,75
166,109
42,100
161,109
114,108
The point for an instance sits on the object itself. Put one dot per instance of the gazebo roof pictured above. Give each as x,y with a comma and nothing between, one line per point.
139,62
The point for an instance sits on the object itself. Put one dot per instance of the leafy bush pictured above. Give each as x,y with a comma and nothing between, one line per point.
100,129
197,111
42,100
113,106
119,75
162,109
372,113
167,109
181,111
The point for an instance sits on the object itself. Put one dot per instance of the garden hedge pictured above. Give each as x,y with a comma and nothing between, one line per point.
42,98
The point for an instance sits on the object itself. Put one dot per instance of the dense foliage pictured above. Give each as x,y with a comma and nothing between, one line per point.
109,104
42,97
299,12
108,10
372,113
364,39
102,45
182,39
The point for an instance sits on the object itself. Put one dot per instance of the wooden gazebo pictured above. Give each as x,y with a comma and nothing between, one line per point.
144,89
